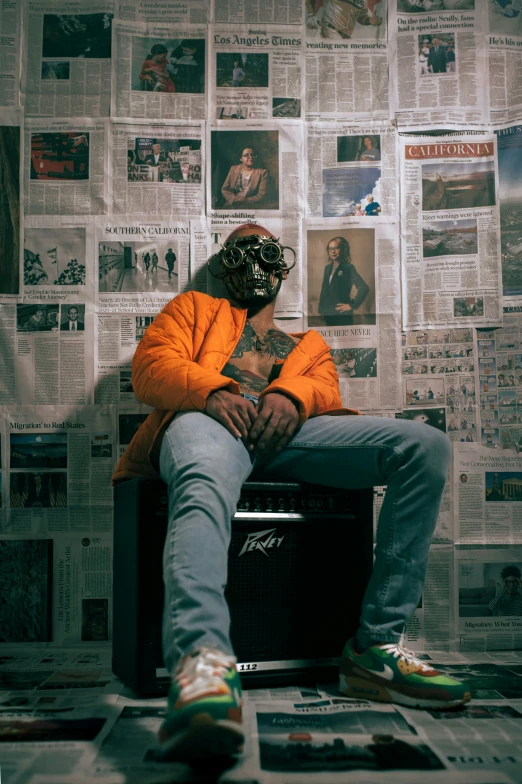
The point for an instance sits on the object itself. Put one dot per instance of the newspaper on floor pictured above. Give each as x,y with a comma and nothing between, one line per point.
438,64
352,170
20,658
11,178
10,50
346,56
287,231
180,12
67,67
255,74
47,353
504,43
158,71
355,307
157,169
488,495
509,154
275,12
142,263
65,164
451,267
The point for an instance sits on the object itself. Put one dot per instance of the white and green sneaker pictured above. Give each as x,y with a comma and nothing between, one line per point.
391,673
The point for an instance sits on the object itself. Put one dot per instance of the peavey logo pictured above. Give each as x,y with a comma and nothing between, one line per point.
254,542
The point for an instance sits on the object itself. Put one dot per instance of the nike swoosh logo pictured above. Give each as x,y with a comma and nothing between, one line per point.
386,673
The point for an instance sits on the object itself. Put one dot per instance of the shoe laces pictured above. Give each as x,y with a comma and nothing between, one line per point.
203,671
398,651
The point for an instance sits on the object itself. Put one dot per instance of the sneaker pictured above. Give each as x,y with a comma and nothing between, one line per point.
203,716
391,673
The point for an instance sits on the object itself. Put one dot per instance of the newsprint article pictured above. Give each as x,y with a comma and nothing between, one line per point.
451,273
10,16
255,74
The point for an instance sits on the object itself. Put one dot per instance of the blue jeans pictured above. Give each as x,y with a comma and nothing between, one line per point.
205,467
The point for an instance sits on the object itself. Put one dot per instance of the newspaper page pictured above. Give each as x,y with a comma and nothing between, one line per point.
180,12
130,419
65,166
11,178
438,64
451,267
157,169
158,71
142,263
505,61
199,252
10,37
252,12
255,74
355,306
116,338
68,63
432,625
509,153
352,170
346,55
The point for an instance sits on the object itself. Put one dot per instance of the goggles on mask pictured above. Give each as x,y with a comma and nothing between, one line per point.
266,253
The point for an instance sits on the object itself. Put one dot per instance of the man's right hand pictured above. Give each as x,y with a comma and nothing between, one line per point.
234,412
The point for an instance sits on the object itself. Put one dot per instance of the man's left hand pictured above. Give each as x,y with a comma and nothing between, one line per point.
343,307
276,423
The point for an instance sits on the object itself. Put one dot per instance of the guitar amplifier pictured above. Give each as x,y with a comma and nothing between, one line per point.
299,561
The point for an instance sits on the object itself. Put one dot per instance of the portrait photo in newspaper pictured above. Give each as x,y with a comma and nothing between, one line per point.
242,69
491,589
37,318
168,65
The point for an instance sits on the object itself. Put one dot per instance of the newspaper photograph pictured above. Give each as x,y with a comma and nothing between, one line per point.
255,173
352,170
509,154
255,76
487,487
246,12
346,55
130,419
505,61
68,65
352,295
158,71
180,12
141,264
158,169
116,338
438,64
10,36
11,175
286,229
58,469
451,266
65,163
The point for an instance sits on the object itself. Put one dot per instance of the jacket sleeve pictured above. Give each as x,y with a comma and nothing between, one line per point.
227,187
164,374
261,191
362,290
315,392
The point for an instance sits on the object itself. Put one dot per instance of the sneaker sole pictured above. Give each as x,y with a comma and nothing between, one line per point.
205,738
362,688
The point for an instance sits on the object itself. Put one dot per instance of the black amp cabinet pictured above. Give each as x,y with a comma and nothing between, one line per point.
299,561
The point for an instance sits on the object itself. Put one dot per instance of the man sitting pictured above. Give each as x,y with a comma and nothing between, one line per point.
232,391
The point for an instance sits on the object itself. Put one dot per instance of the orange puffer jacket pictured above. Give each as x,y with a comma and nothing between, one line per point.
178,364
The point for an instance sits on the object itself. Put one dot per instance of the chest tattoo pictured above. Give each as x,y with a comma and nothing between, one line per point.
273,343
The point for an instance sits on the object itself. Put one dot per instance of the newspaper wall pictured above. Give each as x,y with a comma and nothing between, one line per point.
255,74
451,273
347,165
10,15
432,625
504,42
142,263
182,11
437,64
65,166
346,60
355,306
248,12
11,201
116,339
158,71
68,58
509,154
157,169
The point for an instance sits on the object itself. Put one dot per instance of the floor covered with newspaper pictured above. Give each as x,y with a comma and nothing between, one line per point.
64,718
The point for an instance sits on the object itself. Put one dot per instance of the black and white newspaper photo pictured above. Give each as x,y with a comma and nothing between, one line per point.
157,169
11,200
158,71
274,12
180,12
352,170
351,292
10,53
65,166
255,172
58,259
505,60
450,230
67,64
255,76
346,54
509,155
142,263
438,64
130,418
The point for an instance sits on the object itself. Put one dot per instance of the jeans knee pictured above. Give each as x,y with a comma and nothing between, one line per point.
433,450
